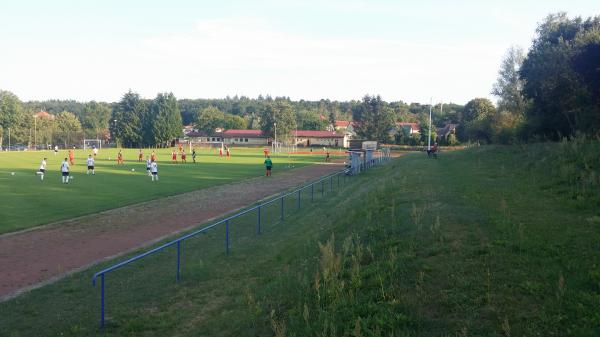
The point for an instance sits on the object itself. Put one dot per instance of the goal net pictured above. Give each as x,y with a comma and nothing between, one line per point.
92,143
279,147
207,145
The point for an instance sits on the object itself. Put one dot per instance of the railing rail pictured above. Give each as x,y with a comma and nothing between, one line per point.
101,274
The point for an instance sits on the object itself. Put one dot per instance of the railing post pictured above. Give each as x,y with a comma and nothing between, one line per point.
282,208
227,237
299,198
102,301
258,223
178,260
312,192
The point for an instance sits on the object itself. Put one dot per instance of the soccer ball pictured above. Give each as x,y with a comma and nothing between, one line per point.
132,170
71,177
12,173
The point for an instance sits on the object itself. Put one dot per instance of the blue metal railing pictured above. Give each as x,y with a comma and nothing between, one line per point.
177,242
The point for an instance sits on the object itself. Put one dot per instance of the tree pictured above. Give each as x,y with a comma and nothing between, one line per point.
451,140
208,119
68,128
476,120
45,128
95,119
373,119
504,127
280,112
586,64
561,101
11,115
166,124
509,85
234,122
126,119
424,131
310,120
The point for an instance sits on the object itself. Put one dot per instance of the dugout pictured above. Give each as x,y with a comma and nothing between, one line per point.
360,159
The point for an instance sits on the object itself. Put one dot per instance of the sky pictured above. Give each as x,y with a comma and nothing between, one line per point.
414,51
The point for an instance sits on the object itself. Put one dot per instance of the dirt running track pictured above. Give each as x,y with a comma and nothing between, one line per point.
33,258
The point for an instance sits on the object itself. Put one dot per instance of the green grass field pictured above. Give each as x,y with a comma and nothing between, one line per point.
25,201
489,241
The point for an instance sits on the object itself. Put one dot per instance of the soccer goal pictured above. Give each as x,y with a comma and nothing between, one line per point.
208,145
279,147
92,143
276,147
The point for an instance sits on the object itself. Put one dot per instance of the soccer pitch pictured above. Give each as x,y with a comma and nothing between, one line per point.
26,201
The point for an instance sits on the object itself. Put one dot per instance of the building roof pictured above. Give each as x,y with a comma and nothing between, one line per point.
342,124
447,129
197,134
316,134
43,114
242,133
412,126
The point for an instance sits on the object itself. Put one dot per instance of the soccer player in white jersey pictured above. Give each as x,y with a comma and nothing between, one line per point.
154,170
148,166
95,151
64,169
42,170
90,165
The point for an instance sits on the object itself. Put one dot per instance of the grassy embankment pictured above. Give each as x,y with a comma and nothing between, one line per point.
489,241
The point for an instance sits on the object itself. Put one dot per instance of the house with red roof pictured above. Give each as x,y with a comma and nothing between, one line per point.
43,115
410,128
346,127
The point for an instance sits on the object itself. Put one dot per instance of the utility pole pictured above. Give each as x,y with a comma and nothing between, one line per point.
35,132
429,137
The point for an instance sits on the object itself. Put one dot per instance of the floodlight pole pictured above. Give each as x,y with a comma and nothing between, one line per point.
441,109
275,150
35,132
429,137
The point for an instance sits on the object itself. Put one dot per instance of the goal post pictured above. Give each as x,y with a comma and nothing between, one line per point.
91,143
207,145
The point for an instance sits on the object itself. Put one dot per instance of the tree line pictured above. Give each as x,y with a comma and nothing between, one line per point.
134,121
551,92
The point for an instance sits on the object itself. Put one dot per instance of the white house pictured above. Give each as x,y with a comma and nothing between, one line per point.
409,127
320,138
243,137
256,138
189,128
